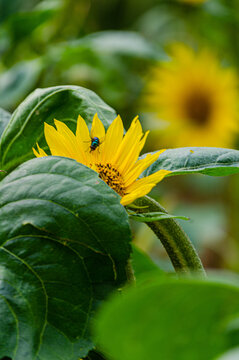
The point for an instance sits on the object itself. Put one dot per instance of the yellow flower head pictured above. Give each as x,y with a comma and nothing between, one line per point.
196,96
112,154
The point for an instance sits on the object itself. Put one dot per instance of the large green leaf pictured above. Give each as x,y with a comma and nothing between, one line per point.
64,103
167,318
203,160
4,119
64,246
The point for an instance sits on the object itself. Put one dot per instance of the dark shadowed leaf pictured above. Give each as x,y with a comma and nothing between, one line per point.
64,246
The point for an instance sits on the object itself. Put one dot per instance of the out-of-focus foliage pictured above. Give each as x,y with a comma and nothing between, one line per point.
41,45
111,47
175,319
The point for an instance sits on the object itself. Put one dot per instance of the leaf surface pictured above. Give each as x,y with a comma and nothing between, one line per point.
154,216
64,246
142,263
166,318
63,103
4,119
203,160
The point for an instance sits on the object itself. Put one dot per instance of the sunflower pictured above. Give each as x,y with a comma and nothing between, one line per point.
112,154
196,96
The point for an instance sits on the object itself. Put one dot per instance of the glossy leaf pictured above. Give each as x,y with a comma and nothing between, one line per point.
4,120
203,160
64,103
64,246
165,318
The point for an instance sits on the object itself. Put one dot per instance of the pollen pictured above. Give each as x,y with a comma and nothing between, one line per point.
112,177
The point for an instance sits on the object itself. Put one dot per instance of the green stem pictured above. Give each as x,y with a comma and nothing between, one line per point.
130,272
177,244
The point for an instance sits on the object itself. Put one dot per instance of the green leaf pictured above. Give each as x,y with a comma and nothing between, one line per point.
154,216
203,160
10,7
142,263
165,318
21,24
18,81
4,120
233,332
93,355
64,246
64,103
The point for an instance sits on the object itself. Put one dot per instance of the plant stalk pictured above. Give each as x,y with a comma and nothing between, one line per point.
175,241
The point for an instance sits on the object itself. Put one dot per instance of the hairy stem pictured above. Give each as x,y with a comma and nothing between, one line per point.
130,272
177,244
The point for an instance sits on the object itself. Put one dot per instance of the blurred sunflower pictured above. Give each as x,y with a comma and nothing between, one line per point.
196,96
112,154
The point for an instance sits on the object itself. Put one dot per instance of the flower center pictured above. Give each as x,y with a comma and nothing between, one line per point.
198,108
112,177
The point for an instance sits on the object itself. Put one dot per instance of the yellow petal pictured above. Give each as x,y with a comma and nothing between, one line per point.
55,141
36,153
142,191
69,140
132,137
113,138
97,129
40,152
83,139
133,173
142,142
82,133
154,178
129,162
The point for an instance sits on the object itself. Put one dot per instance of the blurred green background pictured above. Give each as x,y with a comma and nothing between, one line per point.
111,47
